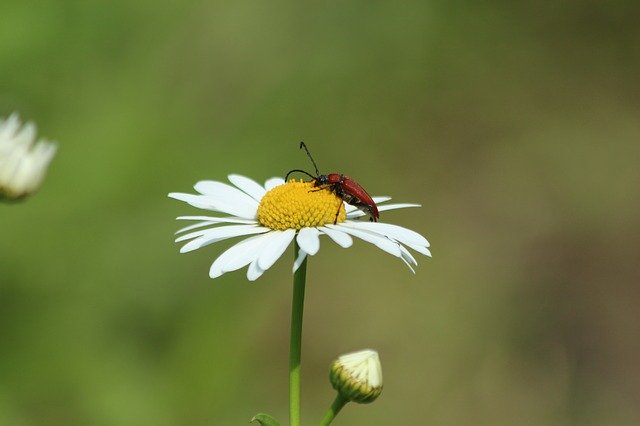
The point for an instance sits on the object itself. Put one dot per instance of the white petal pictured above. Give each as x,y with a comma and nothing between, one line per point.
199,201
218,189
222,205
380,241
227,199
278,243
273,182
298,262
194,226
254,271
250,186
218,234
191,235
360,213
27,134
228,230
238,255
406,262
420,249
339,237
364,366
406,254
380,199
10,126
211,220
386,207
308,240
244,257
218,219
349,209
398,233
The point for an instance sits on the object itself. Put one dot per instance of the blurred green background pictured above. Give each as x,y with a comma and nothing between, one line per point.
515,124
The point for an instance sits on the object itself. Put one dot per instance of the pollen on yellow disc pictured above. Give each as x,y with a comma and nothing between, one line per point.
296,205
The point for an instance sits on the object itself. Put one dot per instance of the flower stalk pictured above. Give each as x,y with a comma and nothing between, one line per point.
295,347
333,411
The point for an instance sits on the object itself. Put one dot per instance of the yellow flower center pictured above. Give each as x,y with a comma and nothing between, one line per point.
296,205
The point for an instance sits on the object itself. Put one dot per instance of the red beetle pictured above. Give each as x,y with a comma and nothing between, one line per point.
344,187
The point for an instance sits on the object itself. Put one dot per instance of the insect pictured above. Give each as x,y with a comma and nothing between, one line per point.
343,186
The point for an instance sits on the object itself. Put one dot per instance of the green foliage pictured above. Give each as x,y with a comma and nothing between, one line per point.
265,420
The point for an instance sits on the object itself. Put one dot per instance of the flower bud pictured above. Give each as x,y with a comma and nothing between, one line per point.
357,376
23,162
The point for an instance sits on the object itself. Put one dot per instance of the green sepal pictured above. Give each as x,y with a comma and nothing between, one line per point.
265,420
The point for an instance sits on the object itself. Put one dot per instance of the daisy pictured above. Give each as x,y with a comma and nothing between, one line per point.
23,161
273,215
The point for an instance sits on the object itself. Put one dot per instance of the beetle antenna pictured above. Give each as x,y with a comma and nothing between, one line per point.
286,178
302,145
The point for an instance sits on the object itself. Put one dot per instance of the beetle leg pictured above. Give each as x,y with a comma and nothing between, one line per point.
337,213
337,189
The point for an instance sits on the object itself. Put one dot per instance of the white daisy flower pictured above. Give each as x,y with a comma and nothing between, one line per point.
271,216
23,162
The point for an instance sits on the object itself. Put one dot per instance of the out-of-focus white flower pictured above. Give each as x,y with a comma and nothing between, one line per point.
23,161
357,376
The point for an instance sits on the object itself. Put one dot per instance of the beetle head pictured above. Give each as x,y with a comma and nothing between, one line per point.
322,180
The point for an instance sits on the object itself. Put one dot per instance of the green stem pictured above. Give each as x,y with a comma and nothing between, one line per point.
295,348
333,411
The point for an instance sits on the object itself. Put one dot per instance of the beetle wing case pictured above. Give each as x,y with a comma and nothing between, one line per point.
356,195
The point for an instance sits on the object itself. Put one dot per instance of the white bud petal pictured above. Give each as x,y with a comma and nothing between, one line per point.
357,376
